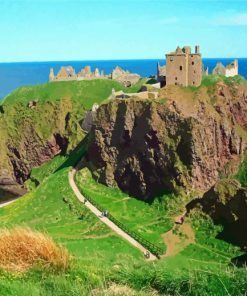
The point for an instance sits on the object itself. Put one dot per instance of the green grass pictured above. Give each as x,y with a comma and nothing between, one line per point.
86,92
69,223
101,257
150,221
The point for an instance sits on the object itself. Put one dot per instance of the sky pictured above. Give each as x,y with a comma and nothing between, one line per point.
59,30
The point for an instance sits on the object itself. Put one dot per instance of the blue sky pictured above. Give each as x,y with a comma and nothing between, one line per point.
45,30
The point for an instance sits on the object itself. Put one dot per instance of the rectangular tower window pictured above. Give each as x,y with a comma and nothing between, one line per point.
181,68
192,63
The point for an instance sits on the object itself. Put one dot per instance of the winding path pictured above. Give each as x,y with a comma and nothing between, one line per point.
105,220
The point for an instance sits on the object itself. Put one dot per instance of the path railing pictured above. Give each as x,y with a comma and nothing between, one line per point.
157,251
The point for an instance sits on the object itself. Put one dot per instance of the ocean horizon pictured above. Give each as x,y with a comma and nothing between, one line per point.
17,74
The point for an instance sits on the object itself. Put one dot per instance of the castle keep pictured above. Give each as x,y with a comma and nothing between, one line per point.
182,67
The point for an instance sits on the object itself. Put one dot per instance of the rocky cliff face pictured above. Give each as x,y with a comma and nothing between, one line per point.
226,203
30,136
182,140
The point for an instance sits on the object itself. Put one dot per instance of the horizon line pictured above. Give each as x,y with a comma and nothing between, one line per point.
107,60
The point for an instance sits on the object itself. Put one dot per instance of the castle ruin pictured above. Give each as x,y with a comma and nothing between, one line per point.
182,68
228,71
125,77
68,73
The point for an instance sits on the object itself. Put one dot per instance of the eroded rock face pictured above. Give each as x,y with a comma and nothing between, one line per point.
149,146
33,136
33,153
226,203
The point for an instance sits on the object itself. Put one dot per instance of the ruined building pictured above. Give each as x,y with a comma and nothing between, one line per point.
182,68
161,74
125,77
228,71
68,73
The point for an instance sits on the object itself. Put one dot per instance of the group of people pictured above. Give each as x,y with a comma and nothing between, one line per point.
104,214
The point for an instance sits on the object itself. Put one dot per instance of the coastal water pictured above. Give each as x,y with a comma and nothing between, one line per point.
13,75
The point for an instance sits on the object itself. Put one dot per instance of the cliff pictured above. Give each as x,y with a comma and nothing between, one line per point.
226,203
32,134
181,141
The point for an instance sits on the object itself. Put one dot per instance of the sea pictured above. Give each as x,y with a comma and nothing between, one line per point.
13,75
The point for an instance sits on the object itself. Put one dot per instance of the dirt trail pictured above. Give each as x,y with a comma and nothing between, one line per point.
105,220
179,237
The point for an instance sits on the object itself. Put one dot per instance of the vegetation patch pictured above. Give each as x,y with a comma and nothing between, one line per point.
23,248
148,220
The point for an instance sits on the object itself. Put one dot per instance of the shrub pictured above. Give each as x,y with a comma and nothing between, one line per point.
23,248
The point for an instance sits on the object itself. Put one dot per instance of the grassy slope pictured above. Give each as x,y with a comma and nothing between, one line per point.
85,92
56,103
95,247
67,221
200,269
149,221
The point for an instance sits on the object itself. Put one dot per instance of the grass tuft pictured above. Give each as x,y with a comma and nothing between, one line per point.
23,248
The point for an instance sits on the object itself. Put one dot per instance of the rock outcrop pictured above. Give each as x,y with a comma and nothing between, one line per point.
182,140
226,203
31,137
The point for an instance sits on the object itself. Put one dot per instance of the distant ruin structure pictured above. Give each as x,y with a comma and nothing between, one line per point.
125,77
228,71
182,67
68,73
161,74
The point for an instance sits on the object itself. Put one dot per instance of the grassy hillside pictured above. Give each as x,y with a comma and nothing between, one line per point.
199,262
86,92
101,258
148,220
58,109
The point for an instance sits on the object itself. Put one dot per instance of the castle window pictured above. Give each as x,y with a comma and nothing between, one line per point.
181,68
193,82
171,59
192,63
176,78
176,83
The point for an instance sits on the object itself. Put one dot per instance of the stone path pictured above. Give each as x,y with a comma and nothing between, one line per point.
105,220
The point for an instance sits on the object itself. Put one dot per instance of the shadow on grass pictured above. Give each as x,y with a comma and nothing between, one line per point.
76,155
234,231
240,261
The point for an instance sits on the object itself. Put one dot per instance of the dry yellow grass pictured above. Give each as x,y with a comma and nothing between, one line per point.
23,248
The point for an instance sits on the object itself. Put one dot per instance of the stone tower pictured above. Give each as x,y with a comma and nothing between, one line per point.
51,75
184,67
